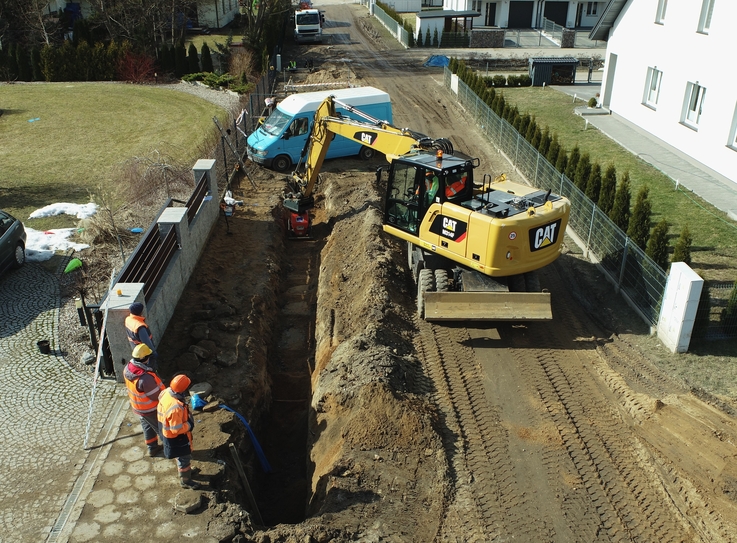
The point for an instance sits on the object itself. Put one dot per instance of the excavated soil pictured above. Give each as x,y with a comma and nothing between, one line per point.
382,427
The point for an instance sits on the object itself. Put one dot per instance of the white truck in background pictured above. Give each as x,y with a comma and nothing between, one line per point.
308,25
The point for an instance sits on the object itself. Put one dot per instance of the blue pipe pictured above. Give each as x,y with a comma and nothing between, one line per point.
259,451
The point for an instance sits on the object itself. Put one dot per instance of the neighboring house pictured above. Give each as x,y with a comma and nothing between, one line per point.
681,87
529,13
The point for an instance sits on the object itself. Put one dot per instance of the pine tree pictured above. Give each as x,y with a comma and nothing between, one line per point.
537,137
657,245
573,163
523,124
428,41
435,38
24,63
36,64
553,150
561,162
620,213
206,58
593,185
583,171
682,250
608,189
531,128
193,60
639,226
545,140
180,60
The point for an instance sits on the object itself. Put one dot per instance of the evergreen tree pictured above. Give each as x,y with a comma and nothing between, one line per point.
83,62
620,213
561,162
193,60
639,227
531,128
12,62
573,159
206,58
524,122
36,72
682,250
537,137
500,105
608,189
583,171
657,245
516,120
428,41
23,60
593,185
553,150
544,144
180,60
435,38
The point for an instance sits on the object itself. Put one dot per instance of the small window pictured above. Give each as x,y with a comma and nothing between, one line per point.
732,142
591,8
652,87
693,104
660,15
707,8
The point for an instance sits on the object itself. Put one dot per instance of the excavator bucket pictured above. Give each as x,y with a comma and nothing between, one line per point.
488,306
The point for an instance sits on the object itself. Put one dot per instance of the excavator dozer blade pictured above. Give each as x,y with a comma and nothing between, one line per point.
488,306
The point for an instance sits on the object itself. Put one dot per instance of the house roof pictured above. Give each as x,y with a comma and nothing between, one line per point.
606,20
441,14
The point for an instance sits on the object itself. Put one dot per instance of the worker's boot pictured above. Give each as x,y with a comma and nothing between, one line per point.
155,450
185,480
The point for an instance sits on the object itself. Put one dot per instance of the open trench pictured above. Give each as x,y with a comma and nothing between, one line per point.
283,494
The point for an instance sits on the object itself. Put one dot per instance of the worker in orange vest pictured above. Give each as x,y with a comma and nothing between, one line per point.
138,331
176,425
456,187
144,387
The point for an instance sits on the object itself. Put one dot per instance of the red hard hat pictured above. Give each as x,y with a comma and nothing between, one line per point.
180,383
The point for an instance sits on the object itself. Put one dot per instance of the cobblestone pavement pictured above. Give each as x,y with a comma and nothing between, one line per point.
44,409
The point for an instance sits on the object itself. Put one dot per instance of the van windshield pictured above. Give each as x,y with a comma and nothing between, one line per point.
276,122
308,19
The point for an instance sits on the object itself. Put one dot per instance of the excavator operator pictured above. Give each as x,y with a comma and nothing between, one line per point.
432,184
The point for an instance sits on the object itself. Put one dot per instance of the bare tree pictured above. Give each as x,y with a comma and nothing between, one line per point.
259,16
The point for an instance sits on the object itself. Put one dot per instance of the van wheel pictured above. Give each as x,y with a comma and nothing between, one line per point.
282,163
366,153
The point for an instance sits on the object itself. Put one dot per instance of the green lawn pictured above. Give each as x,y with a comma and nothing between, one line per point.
715,237
83,132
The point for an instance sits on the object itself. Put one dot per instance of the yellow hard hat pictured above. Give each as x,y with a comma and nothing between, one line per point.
180,383
142,351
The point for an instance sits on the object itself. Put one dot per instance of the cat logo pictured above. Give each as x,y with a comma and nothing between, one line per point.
367,138
449,228
544,236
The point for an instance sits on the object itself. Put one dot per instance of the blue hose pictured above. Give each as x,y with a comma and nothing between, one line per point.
259,451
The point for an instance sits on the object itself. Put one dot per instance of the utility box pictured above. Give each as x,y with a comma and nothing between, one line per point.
678,311
553,71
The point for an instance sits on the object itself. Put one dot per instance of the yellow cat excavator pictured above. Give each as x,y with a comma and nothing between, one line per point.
473,247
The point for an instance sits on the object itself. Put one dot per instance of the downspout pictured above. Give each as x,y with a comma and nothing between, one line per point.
217,15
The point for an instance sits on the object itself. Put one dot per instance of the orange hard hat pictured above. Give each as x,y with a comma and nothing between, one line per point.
180,383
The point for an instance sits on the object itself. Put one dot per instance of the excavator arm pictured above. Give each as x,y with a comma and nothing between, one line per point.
371,132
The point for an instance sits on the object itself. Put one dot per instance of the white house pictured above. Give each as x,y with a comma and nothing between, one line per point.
529,13
668,71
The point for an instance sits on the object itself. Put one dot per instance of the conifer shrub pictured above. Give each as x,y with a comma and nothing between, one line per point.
657,245
682,250
639,227
620,213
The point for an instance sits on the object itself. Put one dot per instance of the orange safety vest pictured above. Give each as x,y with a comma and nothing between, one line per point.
132,324
173,416
455,188
140,402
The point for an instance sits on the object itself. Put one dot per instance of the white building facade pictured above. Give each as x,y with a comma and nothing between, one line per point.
668,70
529,13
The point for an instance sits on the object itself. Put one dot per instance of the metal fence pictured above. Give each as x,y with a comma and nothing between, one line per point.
632,272
392,26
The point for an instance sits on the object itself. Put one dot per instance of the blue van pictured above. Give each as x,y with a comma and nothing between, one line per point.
279,140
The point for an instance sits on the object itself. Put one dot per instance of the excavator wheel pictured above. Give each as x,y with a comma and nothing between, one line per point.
516,283
442,283
425,283
366,153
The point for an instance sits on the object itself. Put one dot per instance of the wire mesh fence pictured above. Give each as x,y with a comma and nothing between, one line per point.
632,272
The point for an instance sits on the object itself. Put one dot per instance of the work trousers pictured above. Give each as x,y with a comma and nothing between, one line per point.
150,425
184,463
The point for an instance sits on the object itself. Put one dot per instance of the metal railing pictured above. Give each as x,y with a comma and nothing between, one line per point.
195,200
392,26
627,266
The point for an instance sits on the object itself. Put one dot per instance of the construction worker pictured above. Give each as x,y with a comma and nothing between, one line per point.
432,184
455,187
144,387
176,425
139,332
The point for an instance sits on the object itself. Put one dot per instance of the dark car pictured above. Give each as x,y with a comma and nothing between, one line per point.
12,242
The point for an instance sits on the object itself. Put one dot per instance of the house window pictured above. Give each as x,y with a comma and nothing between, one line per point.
693,104
476,5
660,14
591,8
707,8
652,87
732,142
